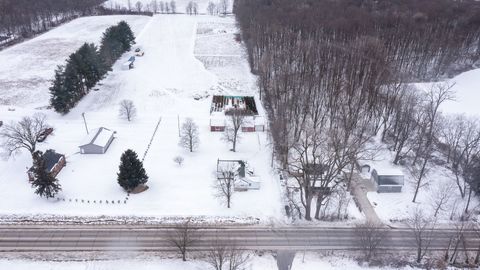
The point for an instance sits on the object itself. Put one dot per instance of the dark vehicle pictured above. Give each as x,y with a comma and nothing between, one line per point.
1,123
43,136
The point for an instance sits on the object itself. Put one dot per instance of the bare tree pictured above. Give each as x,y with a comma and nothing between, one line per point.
154,5
223,5
211,8
226,255
173,6
436,96
183,237
457,242
189,137
370,236
24,134
232,135
179,160
422,228
224,185
441,197
127,109
139,6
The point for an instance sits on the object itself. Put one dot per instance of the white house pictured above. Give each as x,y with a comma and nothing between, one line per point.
97,141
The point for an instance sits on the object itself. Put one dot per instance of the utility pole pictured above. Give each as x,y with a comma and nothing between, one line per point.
178,124
85,122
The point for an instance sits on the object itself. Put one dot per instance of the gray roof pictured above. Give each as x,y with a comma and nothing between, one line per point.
51,158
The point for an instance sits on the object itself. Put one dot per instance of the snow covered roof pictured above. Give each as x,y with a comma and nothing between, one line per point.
248,121
100,137
387,170
217,119
259,121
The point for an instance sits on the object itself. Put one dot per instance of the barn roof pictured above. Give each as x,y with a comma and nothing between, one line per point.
100,137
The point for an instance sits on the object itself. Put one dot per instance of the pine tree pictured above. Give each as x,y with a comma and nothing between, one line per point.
127,38
59,97
131,172
89,64
74,85
44,183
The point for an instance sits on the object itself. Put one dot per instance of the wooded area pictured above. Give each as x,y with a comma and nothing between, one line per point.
25,18
333,74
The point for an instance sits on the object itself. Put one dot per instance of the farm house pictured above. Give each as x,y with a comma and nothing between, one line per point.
245,179
54,163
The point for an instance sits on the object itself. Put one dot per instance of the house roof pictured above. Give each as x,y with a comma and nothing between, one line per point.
259,121
217,119
387,170
51,158
100,137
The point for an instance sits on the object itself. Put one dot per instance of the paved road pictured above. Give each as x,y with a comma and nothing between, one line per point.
154,238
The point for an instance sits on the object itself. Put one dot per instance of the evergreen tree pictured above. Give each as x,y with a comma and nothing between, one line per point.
115,41
59,97
127,38
131,172
74,85
110,51
44,183
89,64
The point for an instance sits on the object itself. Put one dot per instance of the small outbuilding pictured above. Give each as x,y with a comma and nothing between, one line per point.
54,163
129,64
97,142
387,180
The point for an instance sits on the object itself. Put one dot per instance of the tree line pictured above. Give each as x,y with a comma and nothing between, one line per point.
87,66
24,18
333,74
165,7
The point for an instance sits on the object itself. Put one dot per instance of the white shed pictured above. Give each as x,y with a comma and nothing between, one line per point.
97,141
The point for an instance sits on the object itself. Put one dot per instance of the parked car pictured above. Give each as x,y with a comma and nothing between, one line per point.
1,123
44,134
139,52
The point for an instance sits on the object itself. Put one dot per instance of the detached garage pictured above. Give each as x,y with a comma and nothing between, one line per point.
97,142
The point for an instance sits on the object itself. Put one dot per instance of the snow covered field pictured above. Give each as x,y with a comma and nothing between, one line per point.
162,86
29,67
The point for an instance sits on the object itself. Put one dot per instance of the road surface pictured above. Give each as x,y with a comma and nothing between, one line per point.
156,238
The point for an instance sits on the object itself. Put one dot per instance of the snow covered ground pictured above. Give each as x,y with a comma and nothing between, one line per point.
266,262
466,87
309,261
162,86
28,68
392,207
